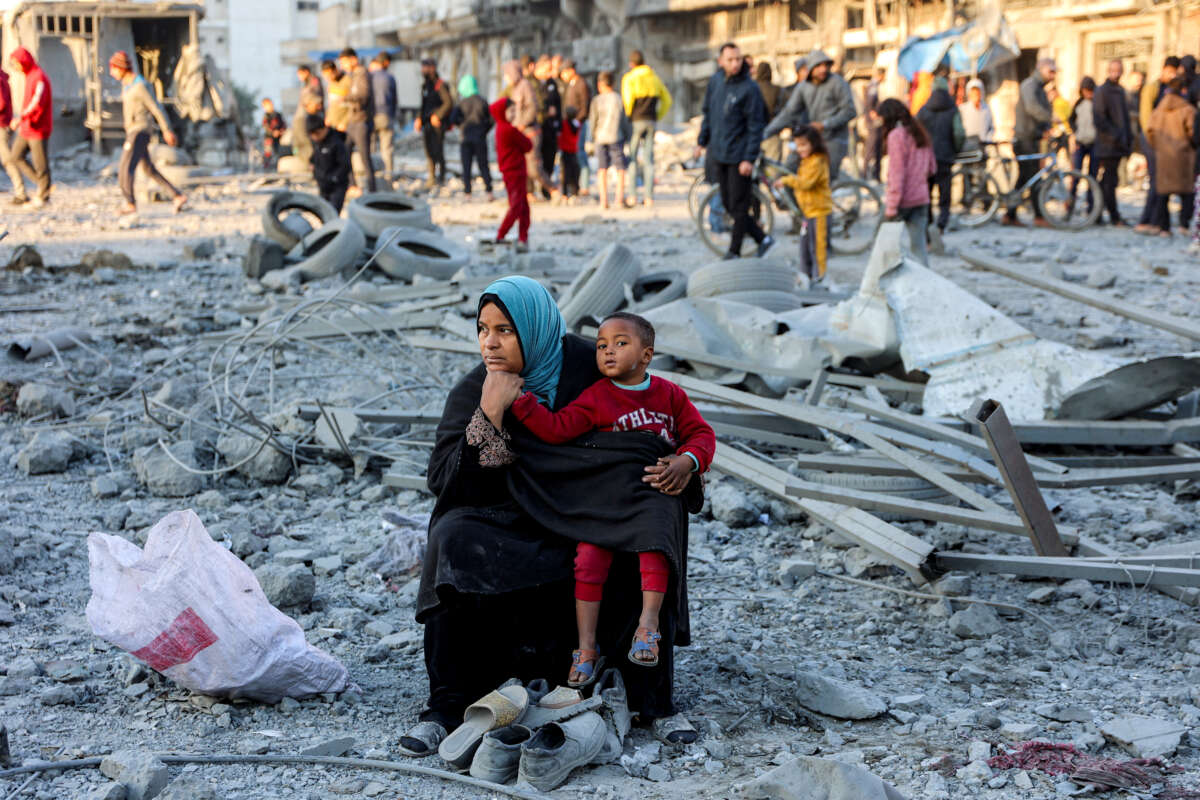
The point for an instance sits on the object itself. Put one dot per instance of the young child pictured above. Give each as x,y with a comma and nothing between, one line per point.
568,145
605,118
626,399
330,161
511,147
810,185
273,130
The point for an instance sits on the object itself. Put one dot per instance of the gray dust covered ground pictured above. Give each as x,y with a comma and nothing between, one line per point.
165,325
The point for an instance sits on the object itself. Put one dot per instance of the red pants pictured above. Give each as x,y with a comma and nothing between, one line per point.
591,571
518,207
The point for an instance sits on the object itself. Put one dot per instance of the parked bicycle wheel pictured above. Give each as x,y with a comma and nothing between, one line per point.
715,229
857,213
695,192
975,196
1070,200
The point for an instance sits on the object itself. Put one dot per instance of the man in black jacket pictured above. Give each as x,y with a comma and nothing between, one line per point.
1034,116
941,119
436,104
1114,136
360,111
732,130
330,161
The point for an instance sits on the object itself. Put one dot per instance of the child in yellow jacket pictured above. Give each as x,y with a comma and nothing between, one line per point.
810,185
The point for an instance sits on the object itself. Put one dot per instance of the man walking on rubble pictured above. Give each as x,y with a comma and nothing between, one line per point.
1114,137
359,111
436,104
138,105
830,108
33,127
1034,117
312,103
646,102
732,131
383,95
6,116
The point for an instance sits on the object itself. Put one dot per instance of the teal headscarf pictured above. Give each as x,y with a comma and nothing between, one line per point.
467,87
540,330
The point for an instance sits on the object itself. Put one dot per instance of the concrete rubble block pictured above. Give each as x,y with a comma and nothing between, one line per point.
793,571
39,400
198,251
109,791
1144,737
49,452
264,255
286,586
103,487
176,392
189,787
142,773
337,746
733,506
105,259
267,466
159,473
25,257
812,778
860,562
975,622
1063,713
837,698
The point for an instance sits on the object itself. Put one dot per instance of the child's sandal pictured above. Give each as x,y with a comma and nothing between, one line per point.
588,663
645,641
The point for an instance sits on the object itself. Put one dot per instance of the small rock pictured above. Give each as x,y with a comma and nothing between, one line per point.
244,542
189,787
267,466
809,778
975,622
104,487
1022,780
109,791
198,251
1144,737
65,671
836,698
286,585
289,704
110,259
860,562
59,696
49,452
954,586
976,771
910,702
38,400
1043,594
347,786
159,473
374,789
795,570
1061,713
1018,731
732,506
142,773
24,667
25,257
979,751
658,773
1101,279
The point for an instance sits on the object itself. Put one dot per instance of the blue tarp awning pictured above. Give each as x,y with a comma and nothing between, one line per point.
970,48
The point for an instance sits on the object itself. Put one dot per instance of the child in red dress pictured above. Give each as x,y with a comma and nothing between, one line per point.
626,399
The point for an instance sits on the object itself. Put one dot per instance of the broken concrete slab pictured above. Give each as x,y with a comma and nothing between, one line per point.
975,622
142,773
287,585
40,400
811,778
189,787
163,475
837,698
1144,737
1064,713
48,452
259,462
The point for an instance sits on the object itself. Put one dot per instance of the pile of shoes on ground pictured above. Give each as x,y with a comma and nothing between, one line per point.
538,735
304,238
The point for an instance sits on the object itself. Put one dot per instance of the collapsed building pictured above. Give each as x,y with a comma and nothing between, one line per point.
679,37
73,41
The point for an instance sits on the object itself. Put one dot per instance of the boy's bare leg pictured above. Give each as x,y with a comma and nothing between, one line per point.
621,185
602,186
587,617
651,607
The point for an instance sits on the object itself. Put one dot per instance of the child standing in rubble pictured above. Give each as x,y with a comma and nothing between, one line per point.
511,147
810,185
330,161
137,107
626,399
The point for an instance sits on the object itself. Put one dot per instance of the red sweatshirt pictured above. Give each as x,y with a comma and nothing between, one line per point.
568,137
37,112
511,144
6,111
663,409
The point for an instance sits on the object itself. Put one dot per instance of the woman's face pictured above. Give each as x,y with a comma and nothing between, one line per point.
498,342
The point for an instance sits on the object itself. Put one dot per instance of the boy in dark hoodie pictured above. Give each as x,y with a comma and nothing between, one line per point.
511,147
941,119
330,161
568,145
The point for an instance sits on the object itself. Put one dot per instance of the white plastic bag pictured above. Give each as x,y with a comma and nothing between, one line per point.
193,611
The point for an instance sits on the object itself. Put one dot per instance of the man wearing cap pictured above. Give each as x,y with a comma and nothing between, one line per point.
359,110
138,106
436,104
1034,117
978,124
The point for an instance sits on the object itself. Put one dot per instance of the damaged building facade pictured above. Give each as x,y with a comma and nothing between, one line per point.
679,37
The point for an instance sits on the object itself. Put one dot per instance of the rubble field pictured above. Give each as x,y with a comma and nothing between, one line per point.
922,691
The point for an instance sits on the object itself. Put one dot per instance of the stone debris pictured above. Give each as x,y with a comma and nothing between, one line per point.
810,778
837,698
1144,737
165,476
143,775
40,400
49,452
187,787
286,586
975,622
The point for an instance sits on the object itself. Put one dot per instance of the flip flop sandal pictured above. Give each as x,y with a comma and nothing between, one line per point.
645,641
674,730
494,710
422,740
587,662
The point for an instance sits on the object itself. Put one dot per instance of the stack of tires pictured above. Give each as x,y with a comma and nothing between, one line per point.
613,281
753,281
319,243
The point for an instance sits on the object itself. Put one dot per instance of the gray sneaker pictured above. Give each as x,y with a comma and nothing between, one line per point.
548,758
610,688
499,754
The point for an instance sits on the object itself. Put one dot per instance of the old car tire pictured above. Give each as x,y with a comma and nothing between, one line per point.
600,287
329,249
278,206
378,211
741,275
412,251
657,289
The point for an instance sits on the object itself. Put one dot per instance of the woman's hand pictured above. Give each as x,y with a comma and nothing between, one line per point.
500,390
670,475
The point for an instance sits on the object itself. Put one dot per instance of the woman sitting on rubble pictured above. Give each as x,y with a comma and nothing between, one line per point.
497,583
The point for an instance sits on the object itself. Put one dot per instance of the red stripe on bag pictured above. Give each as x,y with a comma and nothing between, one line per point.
186,636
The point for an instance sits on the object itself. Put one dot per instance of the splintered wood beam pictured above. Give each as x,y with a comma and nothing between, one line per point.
1067,568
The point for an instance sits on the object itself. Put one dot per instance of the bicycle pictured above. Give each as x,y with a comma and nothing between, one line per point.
1058,193
974,192
857,210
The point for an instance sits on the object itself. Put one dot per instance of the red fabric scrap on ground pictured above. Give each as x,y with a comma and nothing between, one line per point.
1089,770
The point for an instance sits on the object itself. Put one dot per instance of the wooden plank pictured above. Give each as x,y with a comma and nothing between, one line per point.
1067,568
969,442
1155,318
872,465
887,541
834,422
1090,547
898,504
769,437
1189,561
401,480
1117,477
386,415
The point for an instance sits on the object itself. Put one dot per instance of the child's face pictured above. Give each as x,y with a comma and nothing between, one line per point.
803,147
620,354
510,113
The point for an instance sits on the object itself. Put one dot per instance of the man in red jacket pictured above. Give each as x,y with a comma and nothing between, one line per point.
33,131
511,147
6,115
